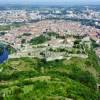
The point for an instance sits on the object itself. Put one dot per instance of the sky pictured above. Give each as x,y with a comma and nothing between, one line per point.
69,2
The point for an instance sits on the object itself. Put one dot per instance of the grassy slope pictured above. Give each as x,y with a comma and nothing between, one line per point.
28,78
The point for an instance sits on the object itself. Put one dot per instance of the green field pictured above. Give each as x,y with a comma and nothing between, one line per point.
8,27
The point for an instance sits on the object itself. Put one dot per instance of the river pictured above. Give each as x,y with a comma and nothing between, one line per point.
4,55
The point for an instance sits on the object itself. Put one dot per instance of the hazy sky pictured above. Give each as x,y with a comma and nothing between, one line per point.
50,1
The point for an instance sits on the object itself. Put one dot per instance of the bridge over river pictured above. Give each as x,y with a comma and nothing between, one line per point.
4,50
7,44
